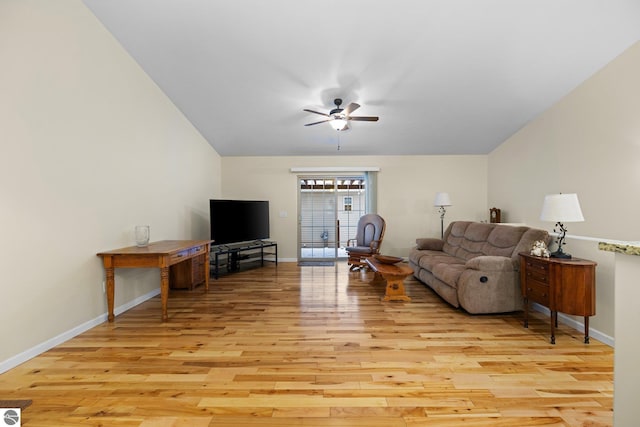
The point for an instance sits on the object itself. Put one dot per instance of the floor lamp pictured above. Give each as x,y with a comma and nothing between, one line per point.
442,199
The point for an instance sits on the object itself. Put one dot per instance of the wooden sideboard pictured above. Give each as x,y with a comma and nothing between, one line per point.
163,254
563,285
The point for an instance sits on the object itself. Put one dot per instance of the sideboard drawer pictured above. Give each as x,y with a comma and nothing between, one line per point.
537,271
538,292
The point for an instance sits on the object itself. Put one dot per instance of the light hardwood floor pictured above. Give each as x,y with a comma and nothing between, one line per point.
314,346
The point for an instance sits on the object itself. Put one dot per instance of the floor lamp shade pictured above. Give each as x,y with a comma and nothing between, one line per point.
442,199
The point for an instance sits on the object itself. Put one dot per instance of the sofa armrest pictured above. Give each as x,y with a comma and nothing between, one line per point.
428,243
490,263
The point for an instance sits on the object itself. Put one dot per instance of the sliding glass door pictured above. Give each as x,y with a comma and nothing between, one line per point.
329,208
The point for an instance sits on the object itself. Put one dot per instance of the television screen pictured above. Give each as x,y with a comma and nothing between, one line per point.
238,220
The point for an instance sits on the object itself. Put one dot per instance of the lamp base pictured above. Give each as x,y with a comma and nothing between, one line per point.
560,254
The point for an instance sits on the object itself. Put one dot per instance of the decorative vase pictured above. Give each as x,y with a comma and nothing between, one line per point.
142,235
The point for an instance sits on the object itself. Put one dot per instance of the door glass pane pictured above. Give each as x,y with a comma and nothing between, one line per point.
351,206
317,218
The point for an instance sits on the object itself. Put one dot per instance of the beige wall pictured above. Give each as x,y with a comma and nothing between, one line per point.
90,147
588,143
406,189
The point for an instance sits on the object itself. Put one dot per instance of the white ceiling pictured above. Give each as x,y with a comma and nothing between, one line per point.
445,76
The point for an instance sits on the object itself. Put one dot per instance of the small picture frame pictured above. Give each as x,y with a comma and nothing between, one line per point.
494,215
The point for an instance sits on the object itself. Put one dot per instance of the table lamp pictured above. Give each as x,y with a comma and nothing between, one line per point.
442,199
561,208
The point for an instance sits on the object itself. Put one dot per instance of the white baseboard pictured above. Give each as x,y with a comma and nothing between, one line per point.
575,324
18,359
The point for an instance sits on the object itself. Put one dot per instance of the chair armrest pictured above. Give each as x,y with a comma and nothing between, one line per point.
490,263
351,242
430,244
375,246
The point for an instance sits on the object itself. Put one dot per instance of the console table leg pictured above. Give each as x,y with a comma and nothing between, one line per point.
207,269
164,291
110,288
526,312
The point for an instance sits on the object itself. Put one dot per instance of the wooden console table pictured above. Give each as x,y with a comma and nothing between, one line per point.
562,285
162,255
394,275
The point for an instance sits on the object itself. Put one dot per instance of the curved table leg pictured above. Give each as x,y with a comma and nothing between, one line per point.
395,289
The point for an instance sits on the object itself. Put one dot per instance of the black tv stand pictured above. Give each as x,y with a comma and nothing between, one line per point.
242,254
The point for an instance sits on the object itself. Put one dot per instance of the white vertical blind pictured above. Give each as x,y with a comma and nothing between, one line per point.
371,189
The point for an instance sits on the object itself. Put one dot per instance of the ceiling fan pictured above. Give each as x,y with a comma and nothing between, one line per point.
339,118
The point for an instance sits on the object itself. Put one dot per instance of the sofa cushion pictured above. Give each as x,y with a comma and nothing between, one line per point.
430,262
502,240
448,273
454,236
466,239
416,255
475,239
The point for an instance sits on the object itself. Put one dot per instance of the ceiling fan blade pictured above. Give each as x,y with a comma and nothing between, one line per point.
316,112
350,108
363,118
315,123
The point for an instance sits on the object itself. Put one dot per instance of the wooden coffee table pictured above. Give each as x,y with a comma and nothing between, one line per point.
394,275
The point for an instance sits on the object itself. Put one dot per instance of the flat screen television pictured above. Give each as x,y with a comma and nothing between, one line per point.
234,221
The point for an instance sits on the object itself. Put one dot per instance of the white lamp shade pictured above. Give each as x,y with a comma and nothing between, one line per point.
338,124
442,199
561,208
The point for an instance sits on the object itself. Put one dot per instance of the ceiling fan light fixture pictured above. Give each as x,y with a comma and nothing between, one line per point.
338,124
339,118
